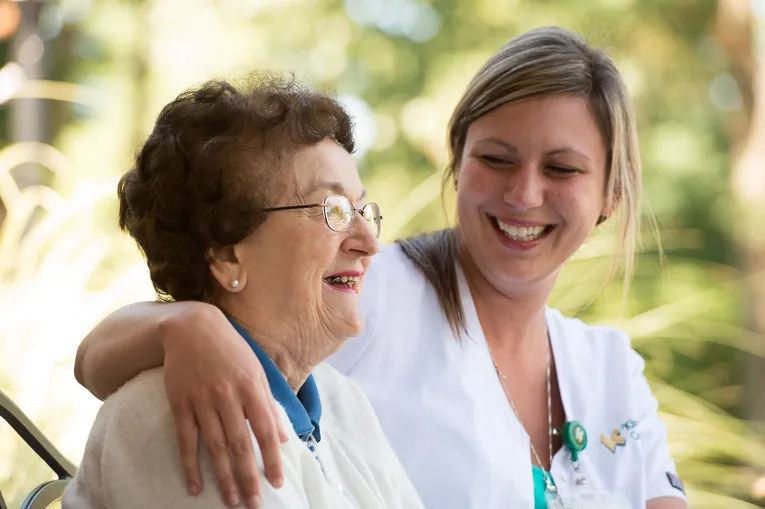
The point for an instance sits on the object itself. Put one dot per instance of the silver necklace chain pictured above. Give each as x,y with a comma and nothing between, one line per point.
502,377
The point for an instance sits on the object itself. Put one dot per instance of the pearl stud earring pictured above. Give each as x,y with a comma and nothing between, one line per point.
235,283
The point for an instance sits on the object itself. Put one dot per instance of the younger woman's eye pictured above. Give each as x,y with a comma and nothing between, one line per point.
563,170
489,159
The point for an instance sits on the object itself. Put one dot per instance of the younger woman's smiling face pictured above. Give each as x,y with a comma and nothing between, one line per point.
531,187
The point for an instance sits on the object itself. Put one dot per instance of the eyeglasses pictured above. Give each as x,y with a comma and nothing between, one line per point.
339,213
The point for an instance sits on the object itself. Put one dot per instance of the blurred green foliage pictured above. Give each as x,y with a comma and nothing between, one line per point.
400,66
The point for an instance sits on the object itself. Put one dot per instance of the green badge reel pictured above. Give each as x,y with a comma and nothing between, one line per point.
574,438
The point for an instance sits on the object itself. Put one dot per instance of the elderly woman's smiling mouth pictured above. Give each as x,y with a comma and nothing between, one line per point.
346,281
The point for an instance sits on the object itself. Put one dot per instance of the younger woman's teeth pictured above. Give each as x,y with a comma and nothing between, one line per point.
522,233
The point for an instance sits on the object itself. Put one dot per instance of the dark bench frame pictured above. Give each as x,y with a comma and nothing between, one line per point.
34,438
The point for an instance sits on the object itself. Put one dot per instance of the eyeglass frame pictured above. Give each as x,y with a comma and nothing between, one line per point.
324,206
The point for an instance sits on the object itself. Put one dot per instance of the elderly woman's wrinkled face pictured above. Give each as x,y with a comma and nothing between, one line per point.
294,267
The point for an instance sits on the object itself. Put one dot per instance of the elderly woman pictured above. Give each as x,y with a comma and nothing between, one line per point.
249,200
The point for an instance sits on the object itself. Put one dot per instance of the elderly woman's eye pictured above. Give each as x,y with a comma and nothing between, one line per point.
335,214
339,217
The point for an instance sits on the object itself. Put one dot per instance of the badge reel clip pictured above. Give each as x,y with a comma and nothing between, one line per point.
575,439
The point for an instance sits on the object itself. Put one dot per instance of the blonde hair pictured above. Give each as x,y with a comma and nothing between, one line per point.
543,62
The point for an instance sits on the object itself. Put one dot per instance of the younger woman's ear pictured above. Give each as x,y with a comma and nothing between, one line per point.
609,206
226,268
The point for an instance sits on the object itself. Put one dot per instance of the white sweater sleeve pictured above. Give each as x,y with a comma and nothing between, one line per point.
358,431
131,460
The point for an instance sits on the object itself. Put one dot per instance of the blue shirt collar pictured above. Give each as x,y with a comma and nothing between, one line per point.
303,409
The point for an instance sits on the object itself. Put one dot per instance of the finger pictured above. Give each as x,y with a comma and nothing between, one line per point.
260,413
283,436
276,463
215,441
187,435
242,452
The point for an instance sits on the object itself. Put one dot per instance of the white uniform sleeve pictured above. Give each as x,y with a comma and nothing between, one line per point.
132,461
660,470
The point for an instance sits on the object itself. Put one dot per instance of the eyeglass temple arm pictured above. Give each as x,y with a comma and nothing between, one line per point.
295,207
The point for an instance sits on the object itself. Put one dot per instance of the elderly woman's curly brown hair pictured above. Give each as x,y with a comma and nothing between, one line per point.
210,167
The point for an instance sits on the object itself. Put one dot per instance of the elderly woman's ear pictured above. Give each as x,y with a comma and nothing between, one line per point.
226,266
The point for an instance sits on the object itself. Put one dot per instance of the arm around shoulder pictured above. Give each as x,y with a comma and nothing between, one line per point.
130,340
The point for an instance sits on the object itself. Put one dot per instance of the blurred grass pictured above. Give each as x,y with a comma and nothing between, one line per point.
51,252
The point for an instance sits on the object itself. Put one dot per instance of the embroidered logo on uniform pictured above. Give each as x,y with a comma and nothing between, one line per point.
629,426
612,442
675,482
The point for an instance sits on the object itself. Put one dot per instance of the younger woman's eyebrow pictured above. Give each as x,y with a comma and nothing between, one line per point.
498,141
512,148
567,150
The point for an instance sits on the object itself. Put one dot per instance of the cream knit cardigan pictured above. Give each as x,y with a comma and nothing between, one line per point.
131,460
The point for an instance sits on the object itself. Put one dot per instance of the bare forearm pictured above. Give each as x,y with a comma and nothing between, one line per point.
127,342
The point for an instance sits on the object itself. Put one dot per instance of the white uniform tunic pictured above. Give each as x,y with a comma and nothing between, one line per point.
442,406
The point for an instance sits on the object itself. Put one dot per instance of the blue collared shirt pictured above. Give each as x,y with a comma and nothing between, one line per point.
303,408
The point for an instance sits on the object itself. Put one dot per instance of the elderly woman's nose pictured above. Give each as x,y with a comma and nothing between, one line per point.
374,243
362,239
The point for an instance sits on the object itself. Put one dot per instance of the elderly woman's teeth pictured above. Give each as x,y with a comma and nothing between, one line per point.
521,233
350,281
